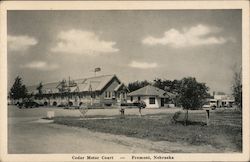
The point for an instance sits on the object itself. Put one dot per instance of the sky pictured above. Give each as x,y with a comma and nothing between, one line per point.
135,45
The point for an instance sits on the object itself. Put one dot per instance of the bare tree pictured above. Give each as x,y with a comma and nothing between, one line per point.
237,87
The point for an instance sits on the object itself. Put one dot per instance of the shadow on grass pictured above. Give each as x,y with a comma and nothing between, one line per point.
197,123
46,118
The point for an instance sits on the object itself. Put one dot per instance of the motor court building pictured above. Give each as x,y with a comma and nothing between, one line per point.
152,96
105,90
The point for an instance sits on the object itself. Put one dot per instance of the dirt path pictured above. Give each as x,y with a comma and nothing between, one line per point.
26,135
32,137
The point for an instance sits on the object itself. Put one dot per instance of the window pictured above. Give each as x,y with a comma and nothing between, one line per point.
93,95
139,98
108,94
131,98
151,100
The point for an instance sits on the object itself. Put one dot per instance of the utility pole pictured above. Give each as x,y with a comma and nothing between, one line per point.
90,90
68,92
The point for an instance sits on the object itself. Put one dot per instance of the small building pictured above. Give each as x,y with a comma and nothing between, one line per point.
152,96
224,100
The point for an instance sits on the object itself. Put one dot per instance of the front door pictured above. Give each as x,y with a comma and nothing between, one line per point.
162,102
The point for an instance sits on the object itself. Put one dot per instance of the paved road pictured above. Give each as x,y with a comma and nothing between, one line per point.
27,133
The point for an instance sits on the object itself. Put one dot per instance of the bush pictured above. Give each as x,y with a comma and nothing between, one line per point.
176,117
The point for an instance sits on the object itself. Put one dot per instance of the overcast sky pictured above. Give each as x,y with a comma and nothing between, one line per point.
48,46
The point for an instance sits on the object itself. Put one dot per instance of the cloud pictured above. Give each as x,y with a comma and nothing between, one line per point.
194,36
40,65
83,42
142,65
20,43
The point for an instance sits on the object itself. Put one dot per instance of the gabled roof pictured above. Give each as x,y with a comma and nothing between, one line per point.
150,90
118,87
121,86
94,83
97,83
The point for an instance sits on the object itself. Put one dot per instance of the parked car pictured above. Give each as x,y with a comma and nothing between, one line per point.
213,107
210,103
136,104
140,104
28,104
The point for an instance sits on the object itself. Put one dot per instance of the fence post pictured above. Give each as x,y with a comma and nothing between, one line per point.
50,114
207,116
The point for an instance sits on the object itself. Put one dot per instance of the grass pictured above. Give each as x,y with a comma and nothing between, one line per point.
224,132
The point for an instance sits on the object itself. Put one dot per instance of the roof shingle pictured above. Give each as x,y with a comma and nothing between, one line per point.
150,90
93,83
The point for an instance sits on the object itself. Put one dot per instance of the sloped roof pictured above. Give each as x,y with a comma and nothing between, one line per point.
32,89
47,88
94,83
150,90
73,89
51,85
119,86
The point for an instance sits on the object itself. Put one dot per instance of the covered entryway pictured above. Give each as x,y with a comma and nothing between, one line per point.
162,102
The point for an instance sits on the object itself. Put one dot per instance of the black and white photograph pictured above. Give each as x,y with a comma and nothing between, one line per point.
144,83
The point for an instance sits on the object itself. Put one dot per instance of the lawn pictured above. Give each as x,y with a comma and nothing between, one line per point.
224,132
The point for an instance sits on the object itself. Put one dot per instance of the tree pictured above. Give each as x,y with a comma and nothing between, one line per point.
163,84
192,94
221,93
18,89
170,86
237,88
137,85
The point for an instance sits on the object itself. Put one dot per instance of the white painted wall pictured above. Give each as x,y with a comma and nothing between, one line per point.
156,105
146,100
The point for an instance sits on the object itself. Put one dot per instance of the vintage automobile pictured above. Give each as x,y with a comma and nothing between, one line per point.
211,103
28,104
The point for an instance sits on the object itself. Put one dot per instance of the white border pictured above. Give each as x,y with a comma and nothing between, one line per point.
124,5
